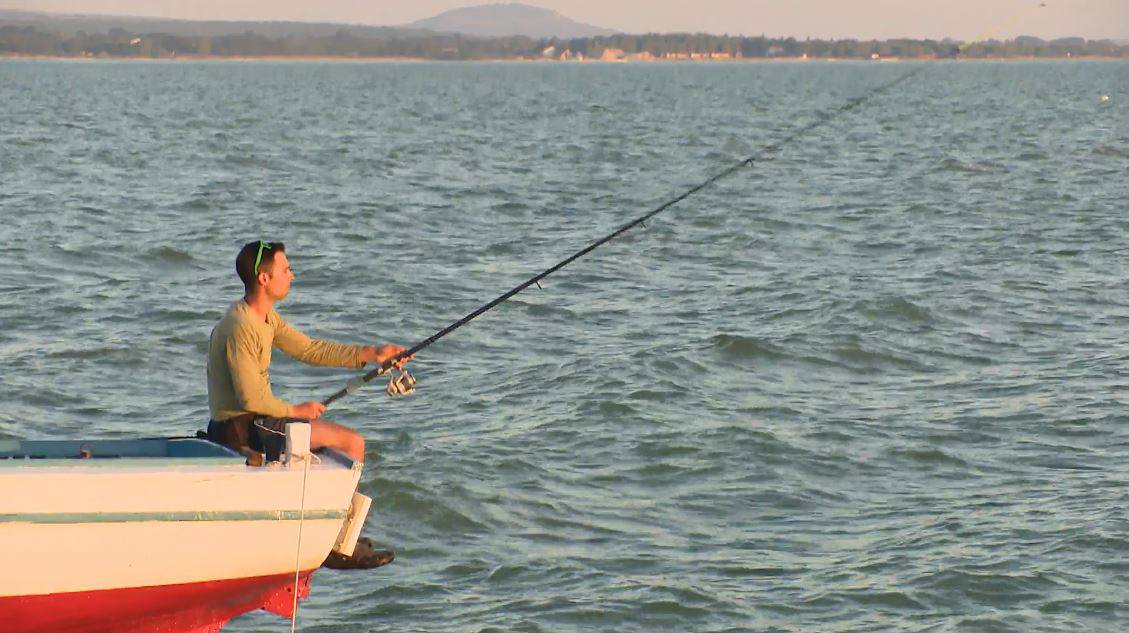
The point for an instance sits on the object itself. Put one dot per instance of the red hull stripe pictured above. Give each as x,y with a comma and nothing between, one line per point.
199,607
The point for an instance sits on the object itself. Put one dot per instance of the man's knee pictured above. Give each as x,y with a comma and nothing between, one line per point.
326,433
356,441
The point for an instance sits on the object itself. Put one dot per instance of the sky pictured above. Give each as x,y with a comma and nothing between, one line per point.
959,19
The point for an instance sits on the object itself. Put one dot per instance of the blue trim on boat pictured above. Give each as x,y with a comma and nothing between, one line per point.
176,448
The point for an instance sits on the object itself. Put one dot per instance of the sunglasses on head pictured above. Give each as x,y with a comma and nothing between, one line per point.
259,256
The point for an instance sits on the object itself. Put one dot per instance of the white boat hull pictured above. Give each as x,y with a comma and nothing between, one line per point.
75,532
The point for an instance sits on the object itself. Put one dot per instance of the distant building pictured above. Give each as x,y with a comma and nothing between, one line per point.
613,55
568,56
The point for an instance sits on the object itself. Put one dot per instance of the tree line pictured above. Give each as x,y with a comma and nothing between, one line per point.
117,42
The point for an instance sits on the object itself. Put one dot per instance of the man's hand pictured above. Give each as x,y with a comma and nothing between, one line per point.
383,353
309,410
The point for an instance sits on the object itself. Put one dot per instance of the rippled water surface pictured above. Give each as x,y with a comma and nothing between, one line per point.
877,383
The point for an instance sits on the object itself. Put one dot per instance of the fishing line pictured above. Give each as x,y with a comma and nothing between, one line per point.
766,153
298,546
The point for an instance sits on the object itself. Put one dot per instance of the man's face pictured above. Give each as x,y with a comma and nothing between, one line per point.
278,277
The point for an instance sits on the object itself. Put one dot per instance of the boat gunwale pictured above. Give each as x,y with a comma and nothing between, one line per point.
227,459
176,516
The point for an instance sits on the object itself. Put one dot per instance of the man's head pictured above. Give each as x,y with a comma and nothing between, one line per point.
264,265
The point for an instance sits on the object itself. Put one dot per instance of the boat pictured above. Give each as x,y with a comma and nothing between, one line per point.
172,535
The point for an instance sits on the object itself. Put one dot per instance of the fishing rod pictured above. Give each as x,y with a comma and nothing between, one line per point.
764,154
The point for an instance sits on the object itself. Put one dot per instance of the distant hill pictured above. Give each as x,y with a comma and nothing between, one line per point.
501,20
71,24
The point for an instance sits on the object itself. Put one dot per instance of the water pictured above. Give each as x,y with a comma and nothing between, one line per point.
877,383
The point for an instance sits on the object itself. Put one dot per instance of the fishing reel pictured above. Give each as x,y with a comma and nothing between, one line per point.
402,384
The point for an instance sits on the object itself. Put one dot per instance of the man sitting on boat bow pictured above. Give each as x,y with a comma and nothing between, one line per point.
246,416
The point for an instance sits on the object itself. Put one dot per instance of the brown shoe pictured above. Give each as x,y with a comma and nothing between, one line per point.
364,557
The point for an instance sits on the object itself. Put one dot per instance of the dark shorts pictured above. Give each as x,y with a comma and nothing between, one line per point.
268,436
259,433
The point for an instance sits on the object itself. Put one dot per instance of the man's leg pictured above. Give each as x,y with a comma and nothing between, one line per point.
333,435
348,441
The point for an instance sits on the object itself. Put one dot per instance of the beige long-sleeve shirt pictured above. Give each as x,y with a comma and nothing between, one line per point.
239,354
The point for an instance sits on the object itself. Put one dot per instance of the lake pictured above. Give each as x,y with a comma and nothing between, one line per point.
876,383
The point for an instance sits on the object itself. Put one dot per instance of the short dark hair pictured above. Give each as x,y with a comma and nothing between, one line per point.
245,260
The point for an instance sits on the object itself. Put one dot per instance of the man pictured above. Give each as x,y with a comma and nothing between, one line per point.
246,416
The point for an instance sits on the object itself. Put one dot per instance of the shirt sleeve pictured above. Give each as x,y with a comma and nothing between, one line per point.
314,351
250,382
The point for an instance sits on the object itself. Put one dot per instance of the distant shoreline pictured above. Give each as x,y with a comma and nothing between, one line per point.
7,56
116,39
